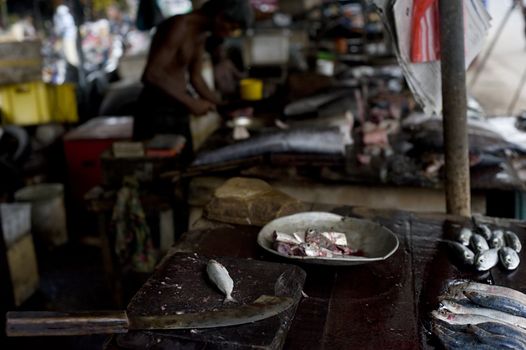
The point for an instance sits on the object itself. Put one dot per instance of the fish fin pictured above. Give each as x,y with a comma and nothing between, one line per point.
229,299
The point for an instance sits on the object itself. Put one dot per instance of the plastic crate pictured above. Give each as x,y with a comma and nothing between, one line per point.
25,104
63,103
38,103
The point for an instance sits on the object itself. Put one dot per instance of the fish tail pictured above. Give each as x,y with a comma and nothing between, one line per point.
229,299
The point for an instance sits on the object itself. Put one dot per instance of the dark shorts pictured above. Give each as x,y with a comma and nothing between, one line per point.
158,113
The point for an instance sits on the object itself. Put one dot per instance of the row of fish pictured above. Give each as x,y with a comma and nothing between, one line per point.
313,243
480,316
484,248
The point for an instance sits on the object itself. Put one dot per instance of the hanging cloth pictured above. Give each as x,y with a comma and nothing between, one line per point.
425,31
133,241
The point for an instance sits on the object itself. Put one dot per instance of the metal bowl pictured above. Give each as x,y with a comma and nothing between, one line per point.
377,242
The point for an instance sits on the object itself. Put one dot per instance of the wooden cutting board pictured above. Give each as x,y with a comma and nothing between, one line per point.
181,285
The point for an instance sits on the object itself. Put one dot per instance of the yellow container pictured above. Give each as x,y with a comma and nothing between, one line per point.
251,89
63,103
25,104
38,103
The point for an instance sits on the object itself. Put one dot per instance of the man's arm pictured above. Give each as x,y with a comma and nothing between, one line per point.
197,80
160,72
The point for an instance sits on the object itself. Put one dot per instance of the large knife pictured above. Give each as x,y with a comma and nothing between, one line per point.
43,323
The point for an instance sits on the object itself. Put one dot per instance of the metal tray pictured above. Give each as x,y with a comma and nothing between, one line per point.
377,242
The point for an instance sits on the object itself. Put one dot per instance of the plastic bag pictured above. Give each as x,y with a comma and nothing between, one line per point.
425,32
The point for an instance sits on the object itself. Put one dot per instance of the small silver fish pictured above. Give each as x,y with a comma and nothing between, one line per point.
497,239
478,243
509,258
462,252
497,302
513,241
487,289
460,319
486,260
472,309
464,236
220,276
456,339
484,231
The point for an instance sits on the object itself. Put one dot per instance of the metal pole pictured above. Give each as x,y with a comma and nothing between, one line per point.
458,197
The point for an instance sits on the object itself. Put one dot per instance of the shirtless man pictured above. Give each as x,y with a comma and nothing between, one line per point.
175,59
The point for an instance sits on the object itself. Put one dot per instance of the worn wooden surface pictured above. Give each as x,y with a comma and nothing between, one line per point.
181,284
377,306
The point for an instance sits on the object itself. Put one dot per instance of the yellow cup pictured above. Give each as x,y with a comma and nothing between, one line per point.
251,89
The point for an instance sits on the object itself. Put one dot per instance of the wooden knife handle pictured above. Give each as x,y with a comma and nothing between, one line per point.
43,323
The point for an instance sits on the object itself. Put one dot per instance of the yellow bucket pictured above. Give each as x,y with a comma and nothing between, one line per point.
251,89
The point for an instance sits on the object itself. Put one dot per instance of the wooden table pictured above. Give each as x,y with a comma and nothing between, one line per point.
376,306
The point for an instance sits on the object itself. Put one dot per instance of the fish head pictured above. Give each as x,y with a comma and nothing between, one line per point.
482,262
469,256
310,231
509,258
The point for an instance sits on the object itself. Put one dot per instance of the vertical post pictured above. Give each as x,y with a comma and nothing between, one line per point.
3,10
455,107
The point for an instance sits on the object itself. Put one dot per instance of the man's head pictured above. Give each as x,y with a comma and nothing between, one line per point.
228,15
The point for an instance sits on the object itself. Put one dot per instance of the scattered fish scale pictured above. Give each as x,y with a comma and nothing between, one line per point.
497,239
509,258
463,253
487,260
501,303
478,243
513,241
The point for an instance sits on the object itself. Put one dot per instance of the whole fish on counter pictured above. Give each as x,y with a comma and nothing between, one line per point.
464,236
505,330
513,241
472,336
453,339
487,259
484,231
221,278
472,309
463,253
497,240
456,291
488,247
509,258
478,316
329,140
498,302
478,243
